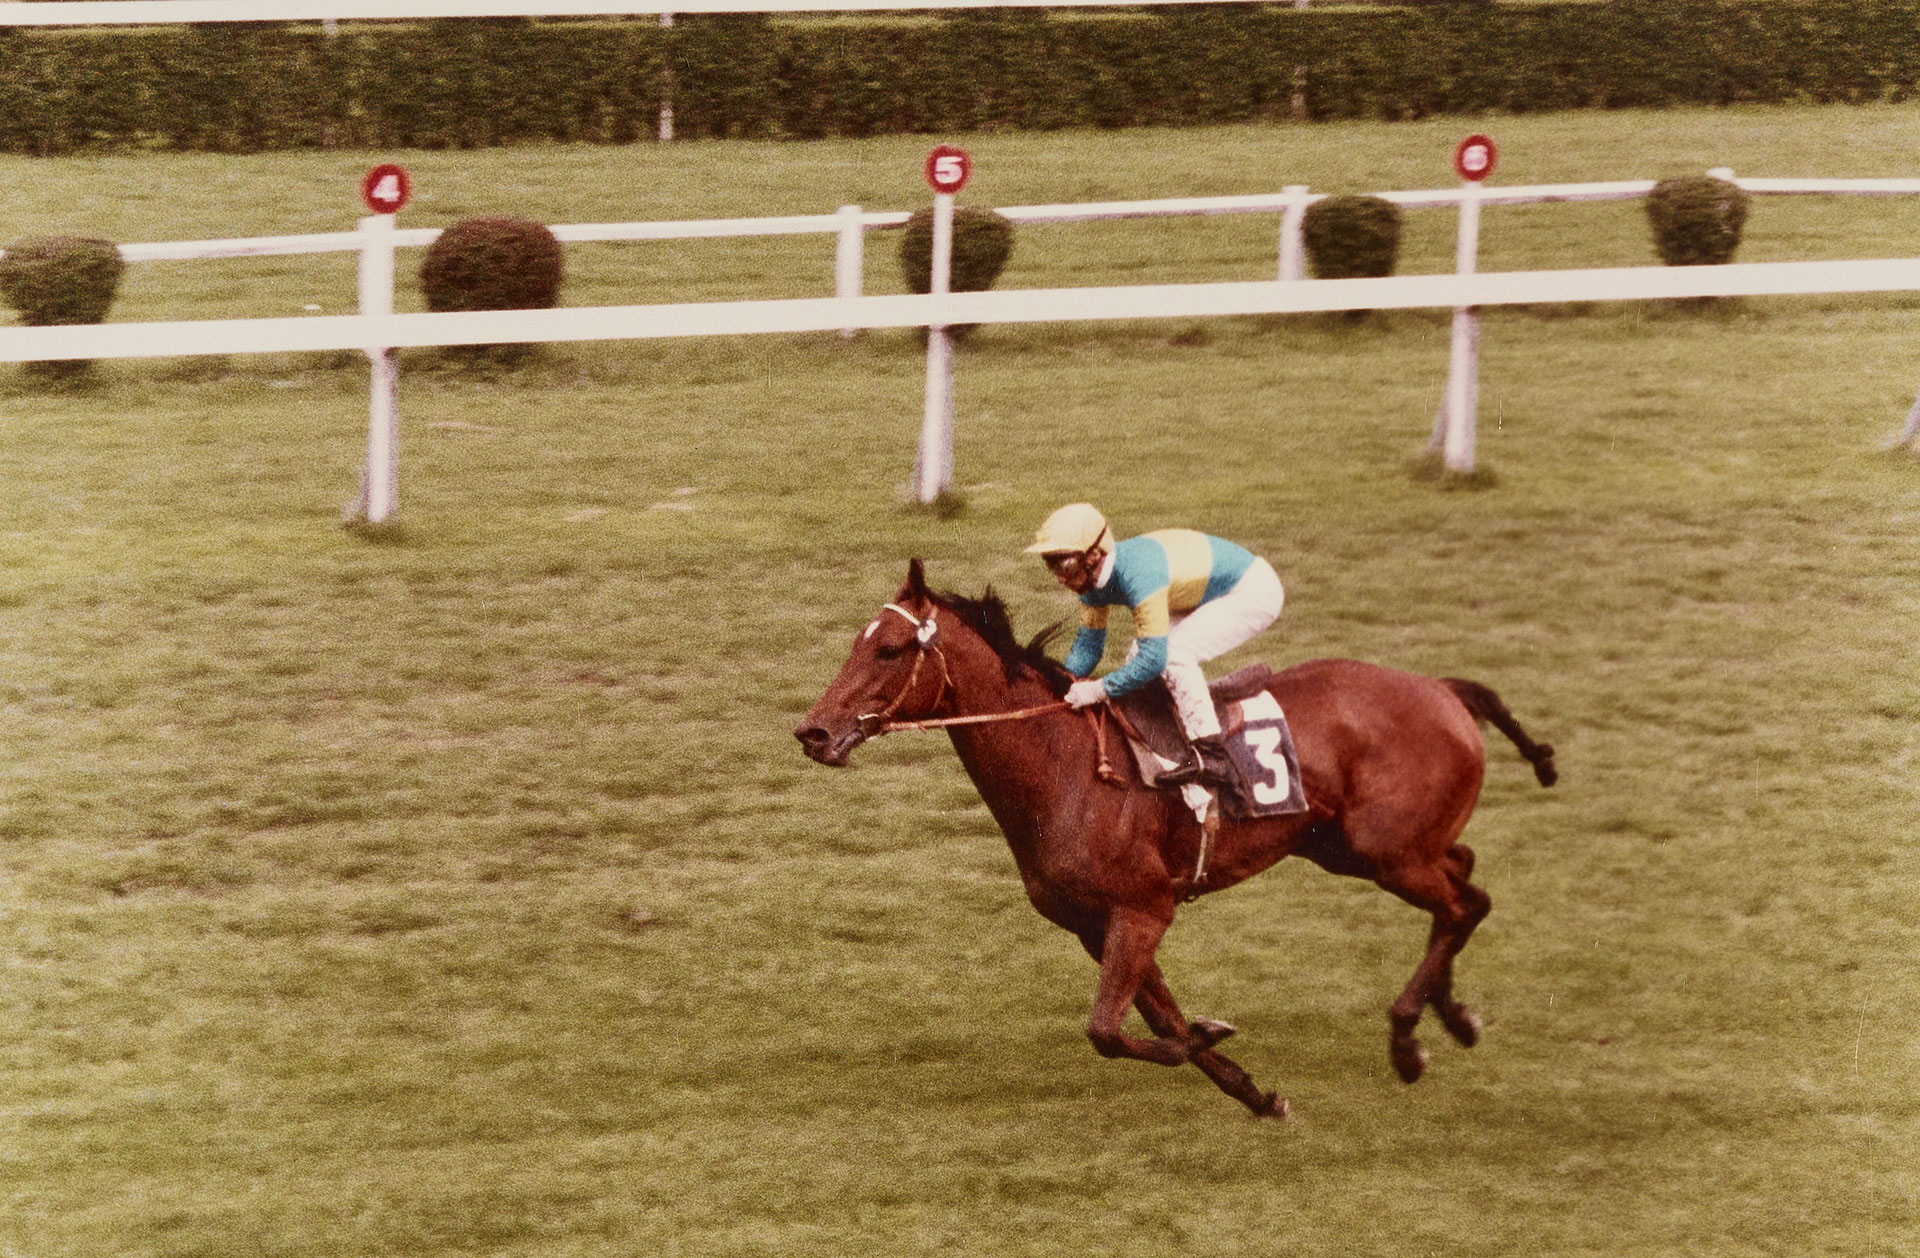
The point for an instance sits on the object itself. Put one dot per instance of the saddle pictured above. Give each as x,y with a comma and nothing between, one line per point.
1259,744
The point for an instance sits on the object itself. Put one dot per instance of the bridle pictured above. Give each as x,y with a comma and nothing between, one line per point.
926,640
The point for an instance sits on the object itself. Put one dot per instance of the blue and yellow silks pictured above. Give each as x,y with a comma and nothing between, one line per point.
1155,575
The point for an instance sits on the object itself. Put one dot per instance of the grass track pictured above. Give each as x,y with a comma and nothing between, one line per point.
462,892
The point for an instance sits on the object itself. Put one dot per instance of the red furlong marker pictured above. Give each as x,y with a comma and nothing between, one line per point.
947,171
386,188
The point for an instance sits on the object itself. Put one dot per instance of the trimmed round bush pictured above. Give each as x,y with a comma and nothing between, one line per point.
1696,219
982,243
59,280
492,264
1351,237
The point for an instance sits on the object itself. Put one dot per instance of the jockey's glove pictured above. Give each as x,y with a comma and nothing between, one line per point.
1085,693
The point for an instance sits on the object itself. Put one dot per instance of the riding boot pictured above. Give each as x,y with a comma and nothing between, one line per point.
1207,763
1207,756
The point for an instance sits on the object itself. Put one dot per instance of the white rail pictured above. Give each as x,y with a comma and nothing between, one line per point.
1039,305
378,331
1070,212
1629,189
417,237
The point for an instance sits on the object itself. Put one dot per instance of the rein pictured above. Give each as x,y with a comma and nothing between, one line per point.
942,722
926,637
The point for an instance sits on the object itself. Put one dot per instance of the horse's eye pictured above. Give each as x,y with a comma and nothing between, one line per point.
889,652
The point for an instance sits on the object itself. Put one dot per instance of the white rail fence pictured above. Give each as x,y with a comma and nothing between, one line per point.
378,331
1034,305
851,222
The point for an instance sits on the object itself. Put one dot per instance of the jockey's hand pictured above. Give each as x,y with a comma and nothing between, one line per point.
1085,693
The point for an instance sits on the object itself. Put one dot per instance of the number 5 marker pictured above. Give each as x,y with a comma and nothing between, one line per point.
948,168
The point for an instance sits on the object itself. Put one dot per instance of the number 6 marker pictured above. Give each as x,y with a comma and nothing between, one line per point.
1474,159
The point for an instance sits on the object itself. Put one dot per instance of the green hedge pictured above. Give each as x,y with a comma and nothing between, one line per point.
248,87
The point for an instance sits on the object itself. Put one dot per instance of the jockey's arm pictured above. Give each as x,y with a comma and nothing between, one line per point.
1152,621
1090,643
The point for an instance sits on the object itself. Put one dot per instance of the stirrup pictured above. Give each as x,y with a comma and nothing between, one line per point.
1218,779
1215,768
1188,770
1207,765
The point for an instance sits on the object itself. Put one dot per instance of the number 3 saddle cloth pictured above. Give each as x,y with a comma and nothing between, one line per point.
1255,731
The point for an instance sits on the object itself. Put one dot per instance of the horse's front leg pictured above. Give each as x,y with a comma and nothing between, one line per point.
1162,1012
1125,951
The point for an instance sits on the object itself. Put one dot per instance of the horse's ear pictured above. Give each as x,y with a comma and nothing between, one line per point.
916,587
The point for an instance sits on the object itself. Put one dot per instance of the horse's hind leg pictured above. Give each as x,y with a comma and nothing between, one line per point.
1461,1024
1158,1007
1457,907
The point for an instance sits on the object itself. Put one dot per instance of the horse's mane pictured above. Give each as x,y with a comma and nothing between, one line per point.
987,616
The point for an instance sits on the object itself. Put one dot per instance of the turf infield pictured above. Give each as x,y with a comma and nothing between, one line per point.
459,889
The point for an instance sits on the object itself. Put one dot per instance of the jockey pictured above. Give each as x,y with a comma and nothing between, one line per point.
1193,597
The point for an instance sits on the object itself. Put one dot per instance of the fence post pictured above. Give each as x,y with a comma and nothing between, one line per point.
849,257
666,84
933,472
1453,427
380,481
1293,253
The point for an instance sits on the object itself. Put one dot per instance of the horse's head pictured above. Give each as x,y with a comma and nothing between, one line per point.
896,670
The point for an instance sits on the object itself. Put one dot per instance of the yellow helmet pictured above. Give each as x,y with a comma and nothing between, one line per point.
1072,529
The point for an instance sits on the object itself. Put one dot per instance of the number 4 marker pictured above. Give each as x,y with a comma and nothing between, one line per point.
386,188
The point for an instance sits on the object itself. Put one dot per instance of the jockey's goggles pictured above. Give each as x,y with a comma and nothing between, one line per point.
1066,563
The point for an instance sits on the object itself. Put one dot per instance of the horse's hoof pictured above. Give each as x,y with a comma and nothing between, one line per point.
1410,1060
1464,1027
1273,1105
1209,1031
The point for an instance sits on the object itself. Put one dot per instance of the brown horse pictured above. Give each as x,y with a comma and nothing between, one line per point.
1391,762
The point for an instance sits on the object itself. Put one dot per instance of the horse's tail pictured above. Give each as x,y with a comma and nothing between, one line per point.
1484,705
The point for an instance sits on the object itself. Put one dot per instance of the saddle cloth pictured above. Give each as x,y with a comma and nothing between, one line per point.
1255,732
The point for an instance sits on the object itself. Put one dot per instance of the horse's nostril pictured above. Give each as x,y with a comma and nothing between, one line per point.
811,735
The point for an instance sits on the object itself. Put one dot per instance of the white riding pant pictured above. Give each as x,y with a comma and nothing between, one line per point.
1213,629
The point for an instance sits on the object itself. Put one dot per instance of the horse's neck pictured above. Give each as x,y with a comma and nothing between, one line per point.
1029,771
